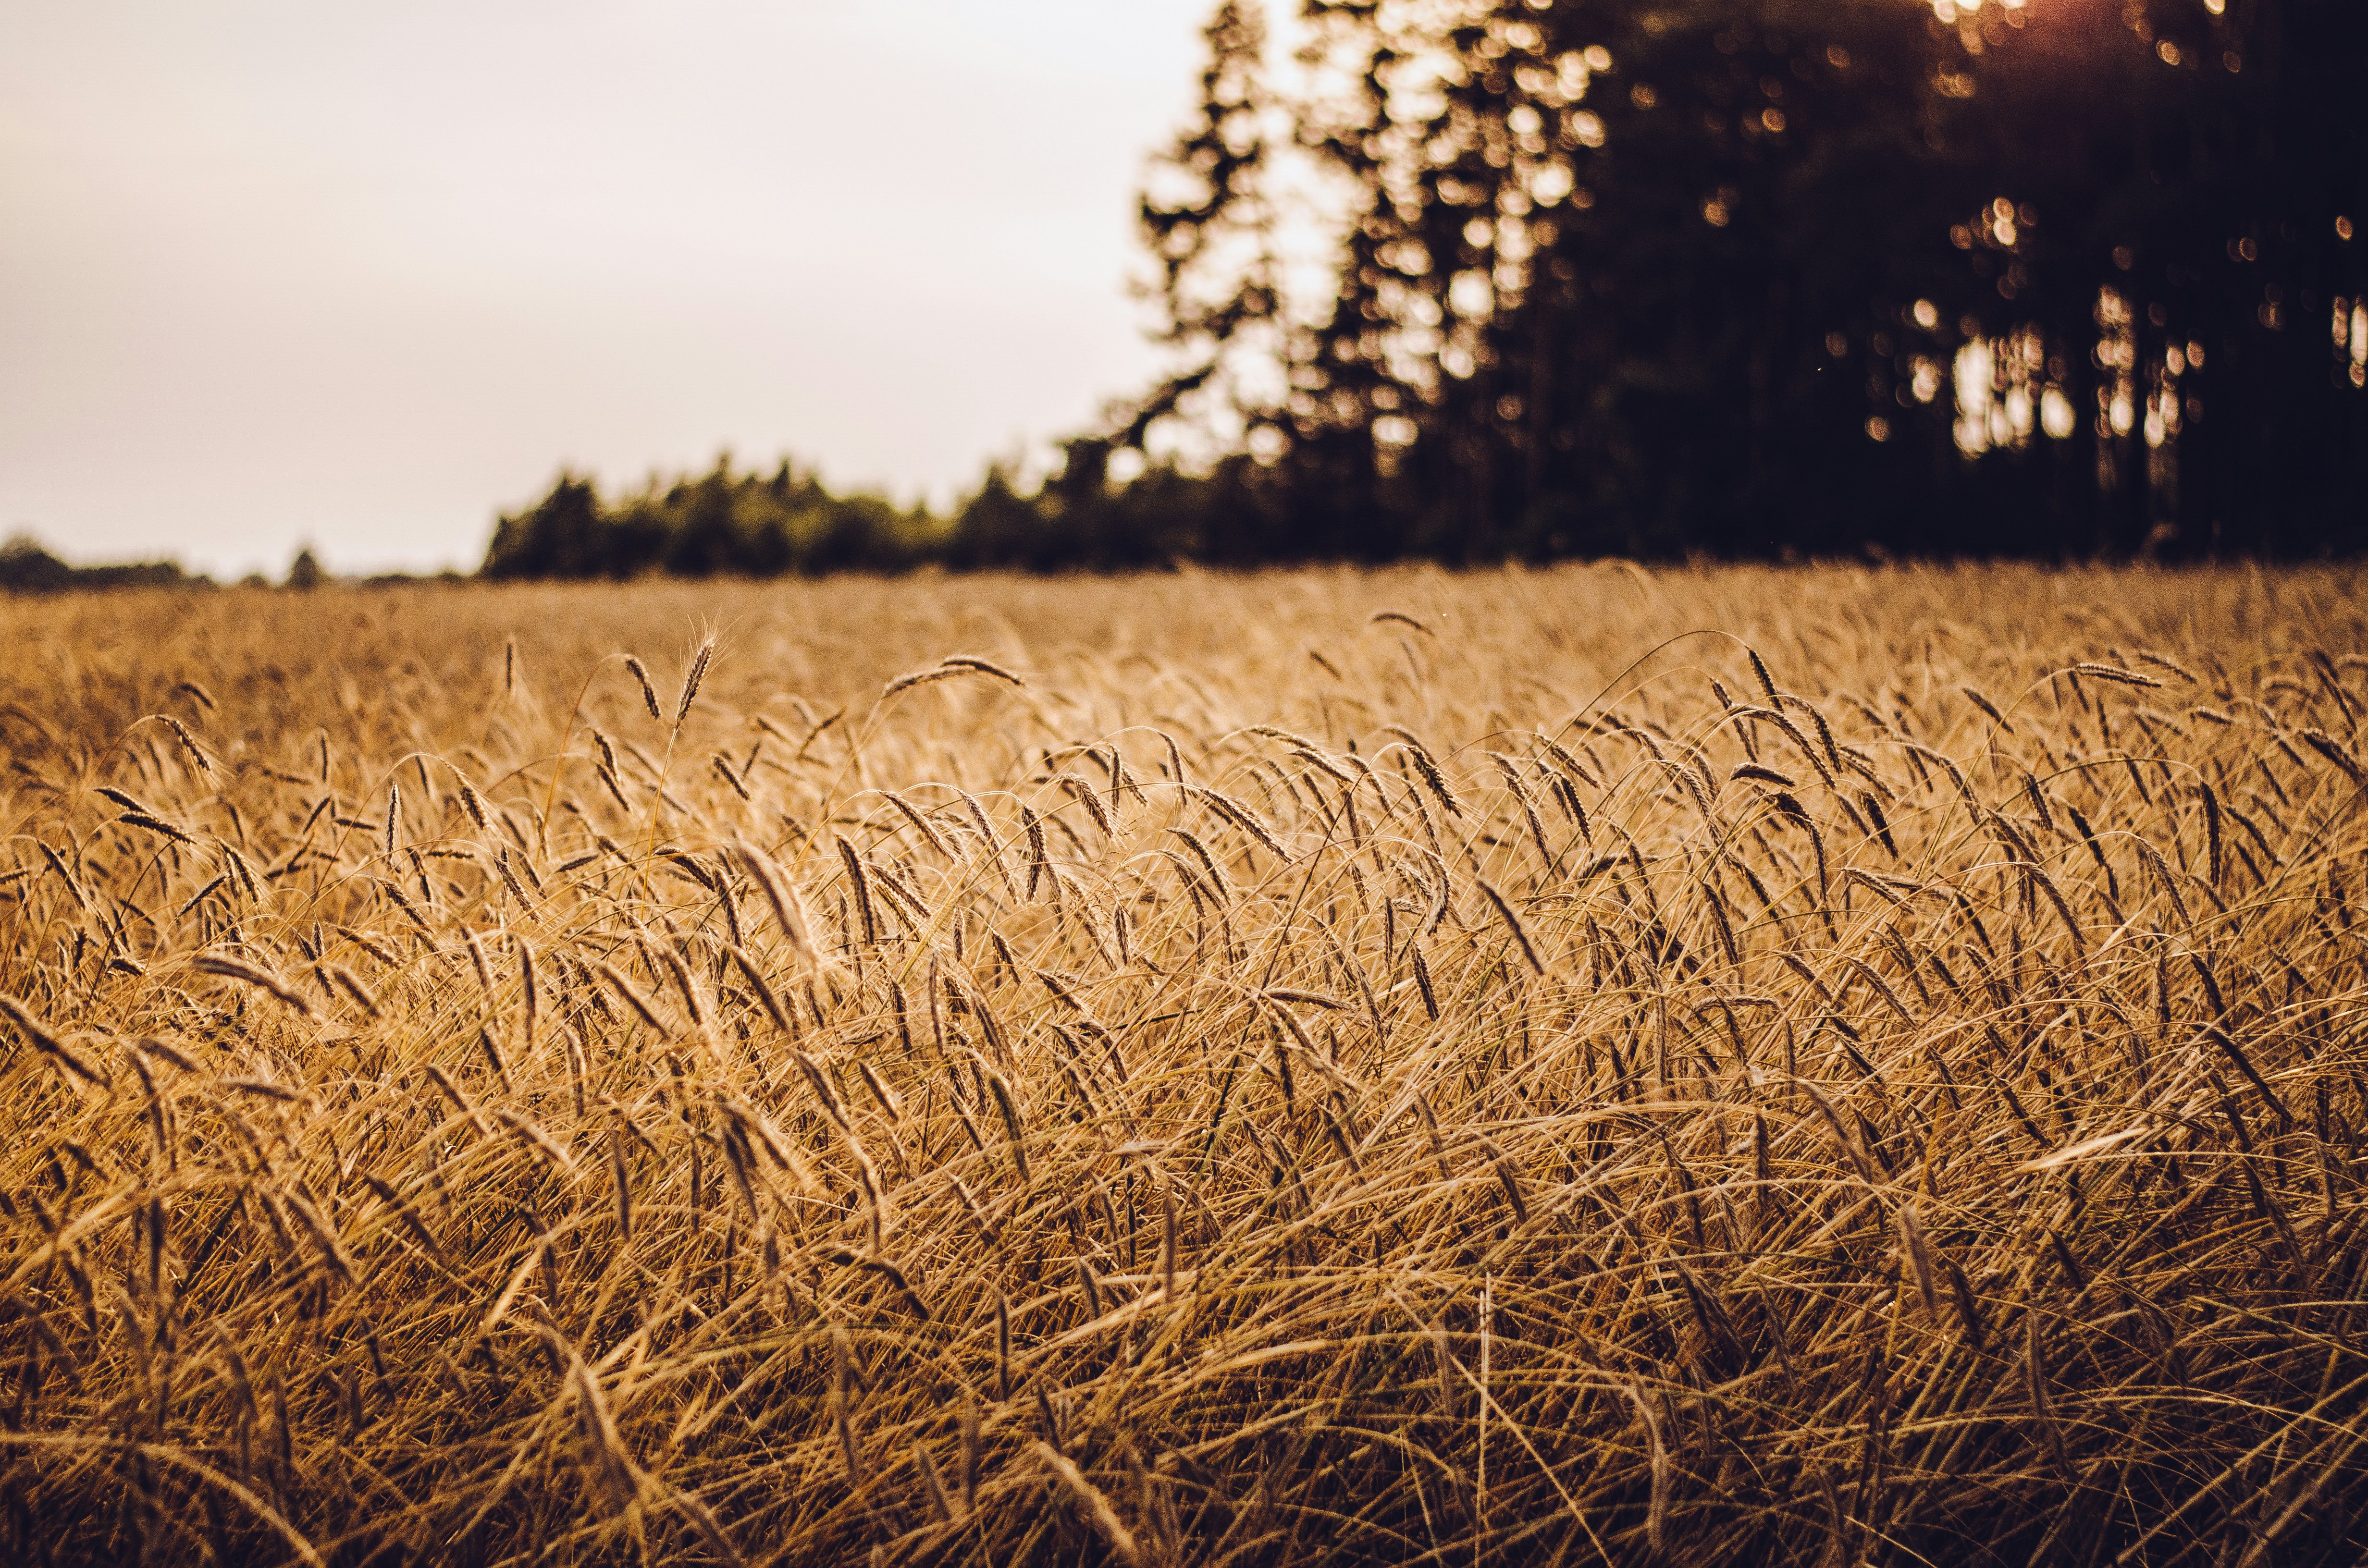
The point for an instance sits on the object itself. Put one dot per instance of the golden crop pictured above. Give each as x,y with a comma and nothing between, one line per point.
1721,1065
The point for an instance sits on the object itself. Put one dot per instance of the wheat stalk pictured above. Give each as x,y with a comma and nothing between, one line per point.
1834,1156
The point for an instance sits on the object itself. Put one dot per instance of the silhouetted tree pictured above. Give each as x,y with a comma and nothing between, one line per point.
27,568
721,523
2046,278
1751,274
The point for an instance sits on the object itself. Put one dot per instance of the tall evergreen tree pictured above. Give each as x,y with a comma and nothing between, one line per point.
1754,274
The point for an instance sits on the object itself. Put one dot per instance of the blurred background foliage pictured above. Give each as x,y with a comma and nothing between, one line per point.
27,568
2053,278
2048,278
2056,278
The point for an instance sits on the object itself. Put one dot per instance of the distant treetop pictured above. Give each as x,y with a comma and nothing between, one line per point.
27,568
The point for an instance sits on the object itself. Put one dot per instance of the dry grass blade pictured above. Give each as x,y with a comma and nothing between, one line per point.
1091,1502
43,1040
194,753
980,664
1657,1514
1513,923
616,1480
1920,1260
690,682
632,995
224,967
2336,752
2114,673
649,692
789,914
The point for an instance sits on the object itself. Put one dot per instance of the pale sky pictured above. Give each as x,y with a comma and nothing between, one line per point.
276,271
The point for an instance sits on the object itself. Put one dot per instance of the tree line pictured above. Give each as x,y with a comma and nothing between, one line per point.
730,522
27,568
1747,275
1742,277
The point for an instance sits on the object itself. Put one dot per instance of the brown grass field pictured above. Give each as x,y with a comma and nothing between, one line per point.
1589,1066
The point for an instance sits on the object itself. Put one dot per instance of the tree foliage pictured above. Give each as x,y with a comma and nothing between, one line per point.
2053,277
721,523
728,523
27,568
1751,274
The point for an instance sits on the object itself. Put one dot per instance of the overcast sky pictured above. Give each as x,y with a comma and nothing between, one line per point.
274,271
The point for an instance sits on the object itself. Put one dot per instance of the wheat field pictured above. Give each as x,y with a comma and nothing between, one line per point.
1590,1066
